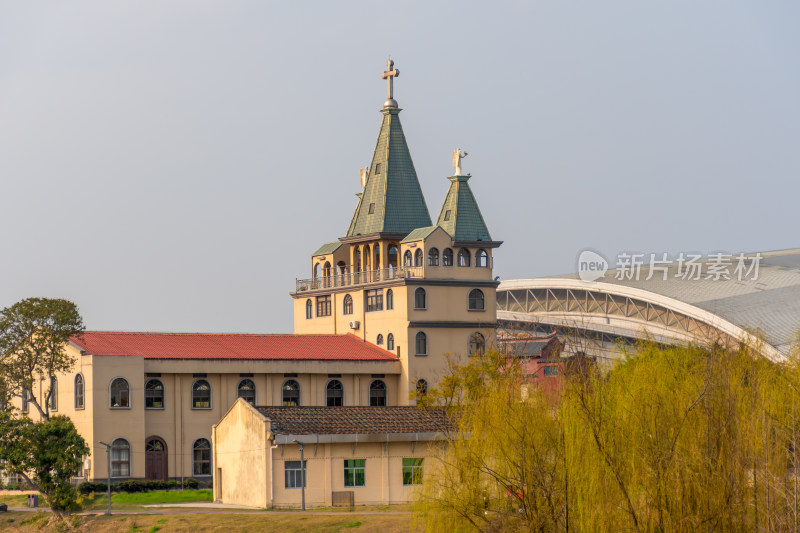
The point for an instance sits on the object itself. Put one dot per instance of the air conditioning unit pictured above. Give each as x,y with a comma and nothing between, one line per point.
354,324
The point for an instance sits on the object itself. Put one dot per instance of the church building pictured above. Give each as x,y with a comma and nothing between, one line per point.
374,322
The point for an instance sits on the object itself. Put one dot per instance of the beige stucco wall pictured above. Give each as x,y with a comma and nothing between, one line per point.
252,472
241,457
178,424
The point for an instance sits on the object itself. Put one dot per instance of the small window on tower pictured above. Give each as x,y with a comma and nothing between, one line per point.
377,168
447,215
371,208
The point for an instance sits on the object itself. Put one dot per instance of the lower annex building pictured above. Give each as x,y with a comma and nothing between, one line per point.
382,308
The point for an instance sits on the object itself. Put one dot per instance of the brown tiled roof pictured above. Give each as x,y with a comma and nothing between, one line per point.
353,420
231,346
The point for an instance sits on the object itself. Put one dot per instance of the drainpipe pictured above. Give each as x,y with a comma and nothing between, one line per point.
271,478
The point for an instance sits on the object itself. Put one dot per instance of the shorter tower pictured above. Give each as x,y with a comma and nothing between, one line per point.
416,289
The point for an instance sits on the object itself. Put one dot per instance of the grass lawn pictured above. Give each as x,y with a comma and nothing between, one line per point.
29,523
18,500
160,496
123,500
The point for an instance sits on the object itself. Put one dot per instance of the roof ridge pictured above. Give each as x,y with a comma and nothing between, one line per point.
187,333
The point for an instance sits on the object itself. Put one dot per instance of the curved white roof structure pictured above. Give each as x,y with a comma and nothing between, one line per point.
760,307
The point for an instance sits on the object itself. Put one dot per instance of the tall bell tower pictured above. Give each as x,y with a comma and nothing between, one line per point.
416,289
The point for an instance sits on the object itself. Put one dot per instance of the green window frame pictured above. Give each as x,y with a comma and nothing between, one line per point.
412,471
355,472
551,370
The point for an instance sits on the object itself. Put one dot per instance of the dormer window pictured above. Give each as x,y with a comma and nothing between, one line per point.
447,215
371,208
377,168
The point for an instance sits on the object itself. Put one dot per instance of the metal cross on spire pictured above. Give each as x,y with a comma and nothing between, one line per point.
389,74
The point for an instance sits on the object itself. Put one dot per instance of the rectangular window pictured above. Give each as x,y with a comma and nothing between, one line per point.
25,394
551,371
412,471
324,305
293,474
377,168
371,208
373,300
354,472
447,215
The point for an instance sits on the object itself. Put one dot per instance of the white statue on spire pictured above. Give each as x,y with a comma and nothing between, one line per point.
457,157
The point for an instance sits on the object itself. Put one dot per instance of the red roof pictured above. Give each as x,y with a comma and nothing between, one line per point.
232,346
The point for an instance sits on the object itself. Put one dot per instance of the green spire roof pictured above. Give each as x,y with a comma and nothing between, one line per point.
464,220
392,192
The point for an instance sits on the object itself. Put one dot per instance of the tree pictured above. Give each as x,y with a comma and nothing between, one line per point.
669,439
33,339
47,453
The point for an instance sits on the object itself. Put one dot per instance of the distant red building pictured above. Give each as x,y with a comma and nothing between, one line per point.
541,360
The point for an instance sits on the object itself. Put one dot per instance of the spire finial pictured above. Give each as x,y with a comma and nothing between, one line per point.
389,74
458,155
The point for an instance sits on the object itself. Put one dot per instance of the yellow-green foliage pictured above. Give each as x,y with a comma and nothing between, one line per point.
671,439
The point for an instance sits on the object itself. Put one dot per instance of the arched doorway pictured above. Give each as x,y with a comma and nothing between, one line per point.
155,459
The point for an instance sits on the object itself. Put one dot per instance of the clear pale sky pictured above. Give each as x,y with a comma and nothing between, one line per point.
171,166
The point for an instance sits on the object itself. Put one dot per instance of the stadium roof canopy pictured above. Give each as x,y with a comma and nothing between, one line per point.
759,303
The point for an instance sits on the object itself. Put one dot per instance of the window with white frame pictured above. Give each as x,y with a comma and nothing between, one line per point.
294,474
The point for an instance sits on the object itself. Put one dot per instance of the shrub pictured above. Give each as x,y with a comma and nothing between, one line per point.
191,483
88,487
131,485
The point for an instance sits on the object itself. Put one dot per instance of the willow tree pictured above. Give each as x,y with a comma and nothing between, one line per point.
669,439
502,466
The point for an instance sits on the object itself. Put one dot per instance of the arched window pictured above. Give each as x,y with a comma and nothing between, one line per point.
463,257
309,308
326,274
80,392
120,458
201,394
120,394
390,342
201,458
358,260
367,258
477,344
377,257
291,393
420,299
377,393
316,271
418,258
153,394
421,344
53,394
476,300
392,255
407,259
389,299
379,340
447,257
422,387
347,305
334,393
433,257
481,258
247,391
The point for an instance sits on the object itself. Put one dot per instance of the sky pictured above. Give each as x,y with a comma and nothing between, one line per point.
171,166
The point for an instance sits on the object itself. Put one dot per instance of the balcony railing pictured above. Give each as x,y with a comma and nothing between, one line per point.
358,278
